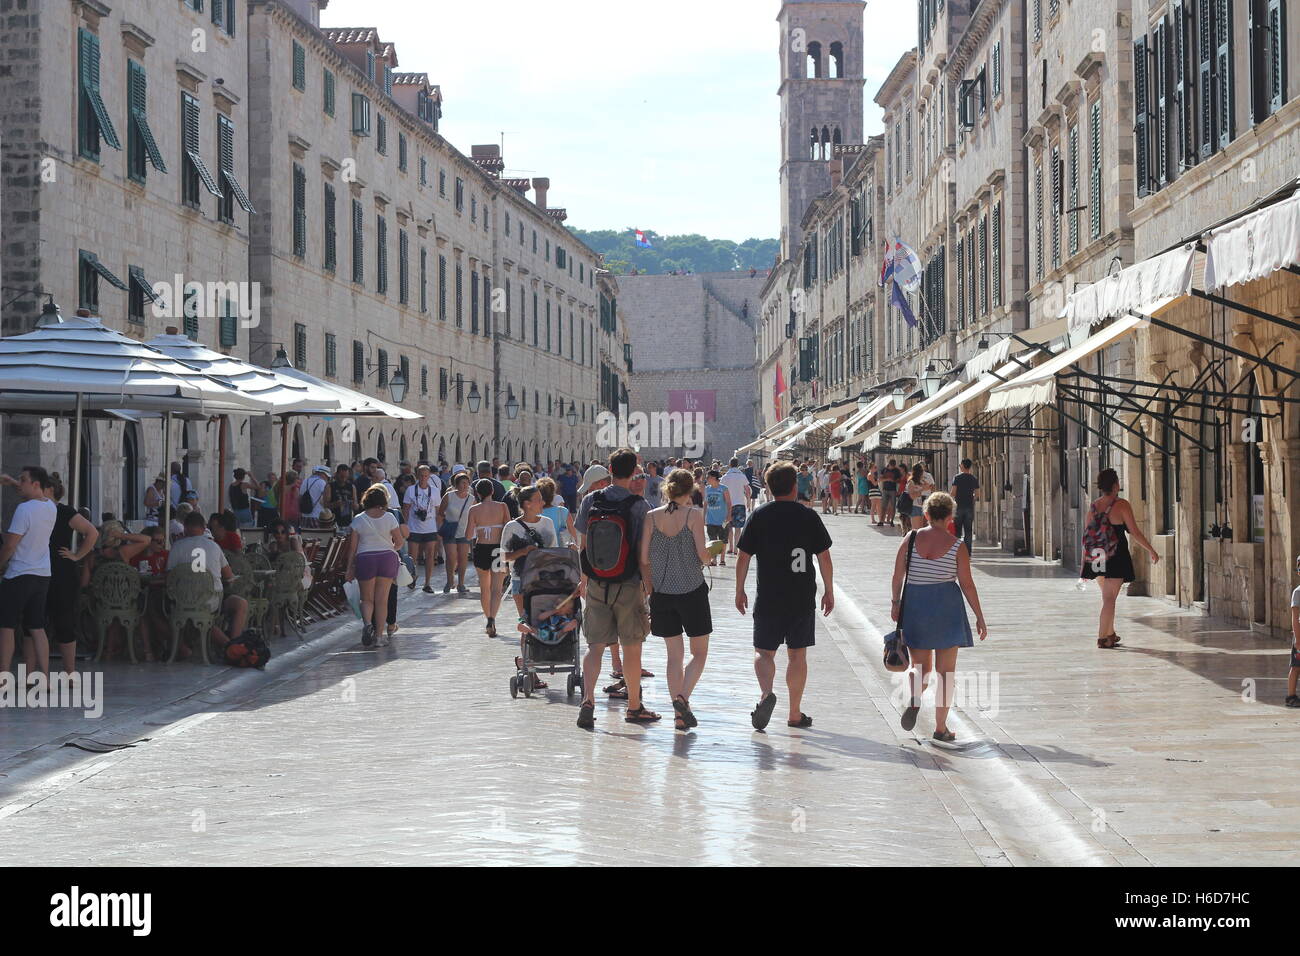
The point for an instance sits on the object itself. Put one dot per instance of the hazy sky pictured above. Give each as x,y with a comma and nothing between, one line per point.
660,115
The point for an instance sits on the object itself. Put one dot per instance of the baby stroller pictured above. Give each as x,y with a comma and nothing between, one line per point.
549,586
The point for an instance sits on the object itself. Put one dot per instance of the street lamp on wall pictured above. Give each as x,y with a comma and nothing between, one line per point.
865,399
931,380
900,398
572,417
512,405
475,399
281,359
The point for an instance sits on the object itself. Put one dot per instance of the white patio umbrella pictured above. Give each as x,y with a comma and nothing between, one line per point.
80,366
337,402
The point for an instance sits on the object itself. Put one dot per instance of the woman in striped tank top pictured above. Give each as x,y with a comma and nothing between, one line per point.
928,592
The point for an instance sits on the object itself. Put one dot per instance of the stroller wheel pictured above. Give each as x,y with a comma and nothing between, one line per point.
527,683
571,684
514,687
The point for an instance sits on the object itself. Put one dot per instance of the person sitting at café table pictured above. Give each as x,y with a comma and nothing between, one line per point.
153,623
224,528
115,543
197,550
282,538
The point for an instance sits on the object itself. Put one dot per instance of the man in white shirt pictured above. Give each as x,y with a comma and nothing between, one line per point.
25,558
201,553
737,483
317,489
179,485
420,507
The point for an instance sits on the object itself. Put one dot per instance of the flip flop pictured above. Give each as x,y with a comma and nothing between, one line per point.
762,714
587,716
683,711
803,721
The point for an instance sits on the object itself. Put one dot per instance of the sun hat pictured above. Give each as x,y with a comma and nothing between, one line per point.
592,475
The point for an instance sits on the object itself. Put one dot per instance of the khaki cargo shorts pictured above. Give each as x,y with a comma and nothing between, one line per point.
615,612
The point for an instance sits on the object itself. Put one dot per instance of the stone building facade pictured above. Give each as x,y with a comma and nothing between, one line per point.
113,122
692,351
241,145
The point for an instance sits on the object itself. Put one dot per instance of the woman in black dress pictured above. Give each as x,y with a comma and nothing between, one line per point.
65,574
1114,571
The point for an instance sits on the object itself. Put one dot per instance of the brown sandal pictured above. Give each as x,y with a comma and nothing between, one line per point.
1107,642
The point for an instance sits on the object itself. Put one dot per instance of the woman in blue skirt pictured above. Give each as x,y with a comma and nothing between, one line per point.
931,575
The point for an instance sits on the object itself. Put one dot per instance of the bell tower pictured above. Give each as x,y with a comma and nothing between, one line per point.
821,100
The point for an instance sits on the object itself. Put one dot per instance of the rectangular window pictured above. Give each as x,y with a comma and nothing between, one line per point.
381,243
299,211
487,306
442,288
996,254
300,346
141,291
460,297
1141,101
1072,184
360,114
1163,63
328,86
331,229
460,194
141,148
1223,72
1056,205
1266,23
331,355
358,243
228,326
424,380
195,170
1094,170
232,191
382,368
93,122
996,58
190,315
984,264
403,267
381,136
424,171
401,152
535,323
299,67
442,384
424,281
473,302
358,363
442,183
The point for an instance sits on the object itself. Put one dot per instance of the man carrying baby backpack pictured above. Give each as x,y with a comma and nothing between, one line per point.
609,523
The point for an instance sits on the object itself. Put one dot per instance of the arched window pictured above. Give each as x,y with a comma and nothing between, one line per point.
296,451
837,60
329,446
459,460
826,143
130,473
835,140
814,61
381,449
424,448
814,144
442,449
402,450
473,452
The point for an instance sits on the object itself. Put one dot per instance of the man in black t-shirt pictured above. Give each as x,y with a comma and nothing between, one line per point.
785,537
965,489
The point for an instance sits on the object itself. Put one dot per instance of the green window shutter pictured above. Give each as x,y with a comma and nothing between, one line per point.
300,346
460,297
226,155
1164,103
473,302
191,316
401,151
1277,36
230,16
331,355
403,267
1223,70
1094,176
331,229
358,363
191,137
1072,178
137,94
328,86
218,13
442,288
299,66
299,211
229,332
360,115
358,244
381,137
1141,139
424,280
996,254
382,242
90,62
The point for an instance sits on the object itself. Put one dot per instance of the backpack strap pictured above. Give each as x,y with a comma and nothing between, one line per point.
907,570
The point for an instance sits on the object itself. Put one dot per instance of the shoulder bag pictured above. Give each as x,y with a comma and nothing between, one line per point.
897,656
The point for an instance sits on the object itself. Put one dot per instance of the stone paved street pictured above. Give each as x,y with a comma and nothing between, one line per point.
417,753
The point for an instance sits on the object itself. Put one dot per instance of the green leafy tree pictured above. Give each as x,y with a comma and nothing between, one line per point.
692,252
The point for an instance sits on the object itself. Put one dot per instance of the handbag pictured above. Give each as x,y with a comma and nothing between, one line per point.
404,577
449,526
897,657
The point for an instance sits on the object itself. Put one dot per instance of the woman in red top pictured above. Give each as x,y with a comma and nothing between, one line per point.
153,624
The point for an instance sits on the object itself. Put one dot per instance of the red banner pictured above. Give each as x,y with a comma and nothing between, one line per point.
694,403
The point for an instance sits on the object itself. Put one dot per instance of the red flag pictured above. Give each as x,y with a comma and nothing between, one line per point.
778,390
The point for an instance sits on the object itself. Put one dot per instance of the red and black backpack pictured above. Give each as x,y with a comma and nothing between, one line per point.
607,554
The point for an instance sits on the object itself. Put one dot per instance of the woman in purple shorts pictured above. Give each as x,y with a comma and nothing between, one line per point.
373,544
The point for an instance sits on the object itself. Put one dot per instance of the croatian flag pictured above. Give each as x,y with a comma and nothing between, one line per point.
886,263
897,298
641,241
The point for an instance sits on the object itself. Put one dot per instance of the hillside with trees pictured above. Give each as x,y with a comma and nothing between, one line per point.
667,254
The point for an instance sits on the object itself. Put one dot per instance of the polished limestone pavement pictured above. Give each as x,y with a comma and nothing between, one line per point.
416,753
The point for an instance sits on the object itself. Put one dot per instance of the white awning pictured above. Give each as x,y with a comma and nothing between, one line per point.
1038,385
836,411
965,397
786,430
920,409
1254,245
1166,276
858,423
757,443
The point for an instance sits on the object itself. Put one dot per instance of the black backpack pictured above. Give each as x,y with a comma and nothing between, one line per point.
248,650
305,503
608,554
